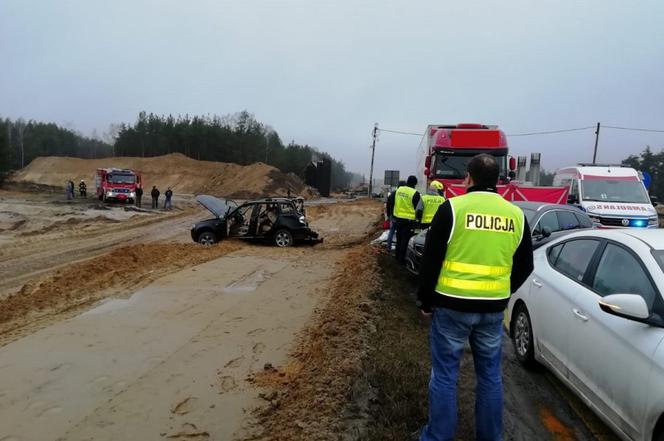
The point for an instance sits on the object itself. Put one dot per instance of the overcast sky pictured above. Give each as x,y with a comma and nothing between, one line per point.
323,72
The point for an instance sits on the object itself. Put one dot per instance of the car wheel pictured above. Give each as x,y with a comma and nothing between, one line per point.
283,238
522,336
207,238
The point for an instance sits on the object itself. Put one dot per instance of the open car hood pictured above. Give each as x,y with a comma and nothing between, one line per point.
218,207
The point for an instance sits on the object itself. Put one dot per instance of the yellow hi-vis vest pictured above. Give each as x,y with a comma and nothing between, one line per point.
403,203
478,264
431,203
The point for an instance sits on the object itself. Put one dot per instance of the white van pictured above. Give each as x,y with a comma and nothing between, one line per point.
613,196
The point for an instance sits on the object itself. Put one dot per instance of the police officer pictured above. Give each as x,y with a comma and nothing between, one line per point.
478,251
406,215
431,202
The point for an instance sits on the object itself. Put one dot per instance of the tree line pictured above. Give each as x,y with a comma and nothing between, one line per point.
653,163
237,138
21,141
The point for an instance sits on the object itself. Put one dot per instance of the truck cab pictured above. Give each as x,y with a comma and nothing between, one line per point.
449,148
613,196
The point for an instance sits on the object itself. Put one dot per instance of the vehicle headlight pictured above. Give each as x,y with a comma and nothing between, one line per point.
653,220
109,194
593,217
193,227
132,194
302,220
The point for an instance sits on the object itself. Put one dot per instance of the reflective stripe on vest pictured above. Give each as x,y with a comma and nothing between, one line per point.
403,203
431,203
478,263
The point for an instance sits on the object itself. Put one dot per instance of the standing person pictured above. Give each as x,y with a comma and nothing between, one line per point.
167,201
431,201
67,192
70,189
139,195
406,215
389,212
478,251
83,189
155,196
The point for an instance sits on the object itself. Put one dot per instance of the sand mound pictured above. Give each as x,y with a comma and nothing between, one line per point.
181,173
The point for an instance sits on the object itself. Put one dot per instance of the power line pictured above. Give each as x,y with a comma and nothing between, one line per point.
400,133
634,129
550,132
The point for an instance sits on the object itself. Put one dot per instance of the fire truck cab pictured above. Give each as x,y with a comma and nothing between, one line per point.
115,184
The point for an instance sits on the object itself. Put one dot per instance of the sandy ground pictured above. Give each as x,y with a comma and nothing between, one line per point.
166,361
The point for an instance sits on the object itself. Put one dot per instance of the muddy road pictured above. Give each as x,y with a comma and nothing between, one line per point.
114,326
155,340
42,234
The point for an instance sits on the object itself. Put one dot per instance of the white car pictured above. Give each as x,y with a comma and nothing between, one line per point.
592,312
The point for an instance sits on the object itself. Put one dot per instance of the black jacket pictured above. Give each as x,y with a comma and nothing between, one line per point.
155,193
139,192
434,254
168,194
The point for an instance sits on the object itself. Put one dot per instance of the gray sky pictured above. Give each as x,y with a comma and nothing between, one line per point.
322,72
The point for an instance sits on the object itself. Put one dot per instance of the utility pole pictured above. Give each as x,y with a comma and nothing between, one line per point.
596,141
373,151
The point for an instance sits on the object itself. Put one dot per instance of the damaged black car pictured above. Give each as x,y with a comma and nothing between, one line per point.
277,220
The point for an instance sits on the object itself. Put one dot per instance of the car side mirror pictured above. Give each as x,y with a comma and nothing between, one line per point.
546,232
628,306
572,199
653,201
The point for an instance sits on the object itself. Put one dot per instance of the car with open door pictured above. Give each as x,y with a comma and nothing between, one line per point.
277,220
592,312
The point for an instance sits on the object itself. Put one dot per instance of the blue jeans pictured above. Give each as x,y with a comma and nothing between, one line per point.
390,234
449,332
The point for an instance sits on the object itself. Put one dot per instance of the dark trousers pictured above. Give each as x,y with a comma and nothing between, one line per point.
155,202
404,232
138,200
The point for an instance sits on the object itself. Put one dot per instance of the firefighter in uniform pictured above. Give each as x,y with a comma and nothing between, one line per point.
478,251
431,202
406,215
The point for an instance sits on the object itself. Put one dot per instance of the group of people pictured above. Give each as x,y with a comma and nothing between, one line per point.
407,211
82,189
155,193
469,269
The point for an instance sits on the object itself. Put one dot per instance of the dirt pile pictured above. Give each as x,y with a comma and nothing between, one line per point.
183,174
307,396
125,268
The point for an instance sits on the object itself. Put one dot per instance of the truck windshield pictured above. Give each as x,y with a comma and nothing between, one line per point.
454,167
121,179
614,191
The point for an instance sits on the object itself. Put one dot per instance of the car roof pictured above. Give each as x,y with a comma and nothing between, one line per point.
537,206
652,237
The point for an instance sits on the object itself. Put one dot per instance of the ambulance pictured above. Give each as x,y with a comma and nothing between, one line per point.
613,196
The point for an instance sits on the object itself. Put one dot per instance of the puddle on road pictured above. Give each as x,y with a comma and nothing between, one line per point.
247,284
112,305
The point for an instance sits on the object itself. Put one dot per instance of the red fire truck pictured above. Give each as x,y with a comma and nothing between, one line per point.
446,150
115,184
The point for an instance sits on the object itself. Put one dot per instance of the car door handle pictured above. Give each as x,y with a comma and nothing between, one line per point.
580,314
537,283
